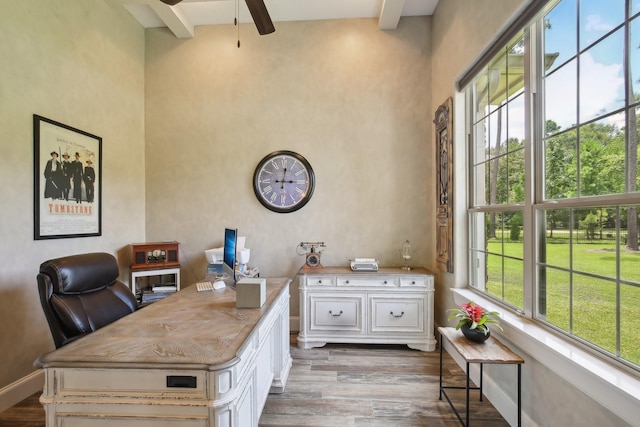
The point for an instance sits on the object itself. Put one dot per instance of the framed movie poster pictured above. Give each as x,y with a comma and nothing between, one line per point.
67,181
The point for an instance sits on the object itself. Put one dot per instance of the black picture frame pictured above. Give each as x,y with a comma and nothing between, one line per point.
67,189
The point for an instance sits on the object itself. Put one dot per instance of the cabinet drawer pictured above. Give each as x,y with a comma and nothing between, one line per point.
404,314
319,280
416,282
342,313
366,281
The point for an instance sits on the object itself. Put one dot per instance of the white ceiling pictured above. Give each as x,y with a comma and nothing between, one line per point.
183,17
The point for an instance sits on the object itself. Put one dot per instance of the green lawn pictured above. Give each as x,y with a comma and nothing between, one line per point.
581,304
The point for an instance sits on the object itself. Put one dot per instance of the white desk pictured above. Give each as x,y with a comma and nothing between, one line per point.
192,359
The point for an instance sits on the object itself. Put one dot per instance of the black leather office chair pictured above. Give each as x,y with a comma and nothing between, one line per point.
82,293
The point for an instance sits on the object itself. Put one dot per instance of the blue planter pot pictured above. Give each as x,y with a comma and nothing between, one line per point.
475,335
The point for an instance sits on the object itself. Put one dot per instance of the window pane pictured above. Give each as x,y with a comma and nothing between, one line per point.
561,171
560,97
480,141
555,293
481,94
515,172
480,192
634,158
594,247
516,117
602,153
560,35
634,55
629,255
514,279
555,246
594,311
497,134
602,77
629,315
597,18
515,68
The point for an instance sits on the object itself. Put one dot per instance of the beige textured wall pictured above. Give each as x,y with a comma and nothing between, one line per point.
353,100
79,63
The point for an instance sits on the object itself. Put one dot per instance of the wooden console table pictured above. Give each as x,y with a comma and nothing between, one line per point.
491,351
192,359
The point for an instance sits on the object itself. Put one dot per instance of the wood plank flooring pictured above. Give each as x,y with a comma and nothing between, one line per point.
347,385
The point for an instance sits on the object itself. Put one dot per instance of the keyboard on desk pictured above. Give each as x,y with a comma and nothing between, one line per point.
204,286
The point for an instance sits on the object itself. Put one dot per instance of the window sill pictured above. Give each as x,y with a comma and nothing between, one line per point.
609,385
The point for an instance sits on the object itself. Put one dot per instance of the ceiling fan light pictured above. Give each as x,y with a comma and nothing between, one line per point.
171,2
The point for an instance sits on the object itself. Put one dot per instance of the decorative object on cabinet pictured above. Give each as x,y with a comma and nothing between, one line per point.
81,294
67,192
405,251
390,306
311,252
154,262
444,167
283,181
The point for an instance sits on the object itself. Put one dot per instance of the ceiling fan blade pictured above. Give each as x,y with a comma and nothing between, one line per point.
260,16
258,11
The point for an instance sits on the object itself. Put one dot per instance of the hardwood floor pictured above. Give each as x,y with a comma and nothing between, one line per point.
347,385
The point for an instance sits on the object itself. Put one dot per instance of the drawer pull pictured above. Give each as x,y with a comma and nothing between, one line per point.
385,282
339,314
319,281
397,315
347,282
181,381
413,282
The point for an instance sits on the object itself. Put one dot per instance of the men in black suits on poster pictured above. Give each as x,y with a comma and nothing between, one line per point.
76,176
66,176
53,177
89,180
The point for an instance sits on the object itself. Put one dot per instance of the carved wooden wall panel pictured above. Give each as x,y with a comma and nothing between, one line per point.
444,166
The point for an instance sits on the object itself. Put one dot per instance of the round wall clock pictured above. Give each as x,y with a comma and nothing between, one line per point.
283,181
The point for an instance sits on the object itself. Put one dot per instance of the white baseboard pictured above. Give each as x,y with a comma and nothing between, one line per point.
21,389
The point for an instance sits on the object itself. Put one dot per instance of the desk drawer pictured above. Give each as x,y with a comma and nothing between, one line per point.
355,281
404,314
132,382
342,313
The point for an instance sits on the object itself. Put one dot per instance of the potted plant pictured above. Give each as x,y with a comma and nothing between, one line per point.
473,320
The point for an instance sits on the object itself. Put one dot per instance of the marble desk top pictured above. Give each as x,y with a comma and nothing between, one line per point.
187,330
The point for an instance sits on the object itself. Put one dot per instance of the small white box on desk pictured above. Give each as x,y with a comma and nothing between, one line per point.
251,292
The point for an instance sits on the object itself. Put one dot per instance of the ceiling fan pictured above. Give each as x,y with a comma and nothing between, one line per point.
258,11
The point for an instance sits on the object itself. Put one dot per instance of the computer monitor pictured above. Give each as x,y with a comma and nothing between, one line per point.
229,257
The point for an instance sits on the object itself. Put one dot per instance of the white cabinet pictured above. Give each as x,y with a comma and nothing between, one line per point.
390,306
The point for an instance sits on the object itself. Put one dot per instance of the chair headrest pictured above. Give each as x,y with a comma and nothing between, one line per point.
77,274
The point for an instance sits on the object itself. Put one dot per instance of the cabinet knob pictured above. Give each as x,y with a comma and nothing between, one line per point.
336,315
397,315
413,282
347,282
385,282
320,281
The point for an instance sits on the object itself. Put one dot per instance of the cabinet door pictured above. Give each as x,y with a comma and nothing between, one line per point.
397,314
330,313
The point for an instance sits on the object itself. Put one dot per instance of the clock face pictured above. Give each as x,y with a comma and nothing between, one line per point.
283,181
